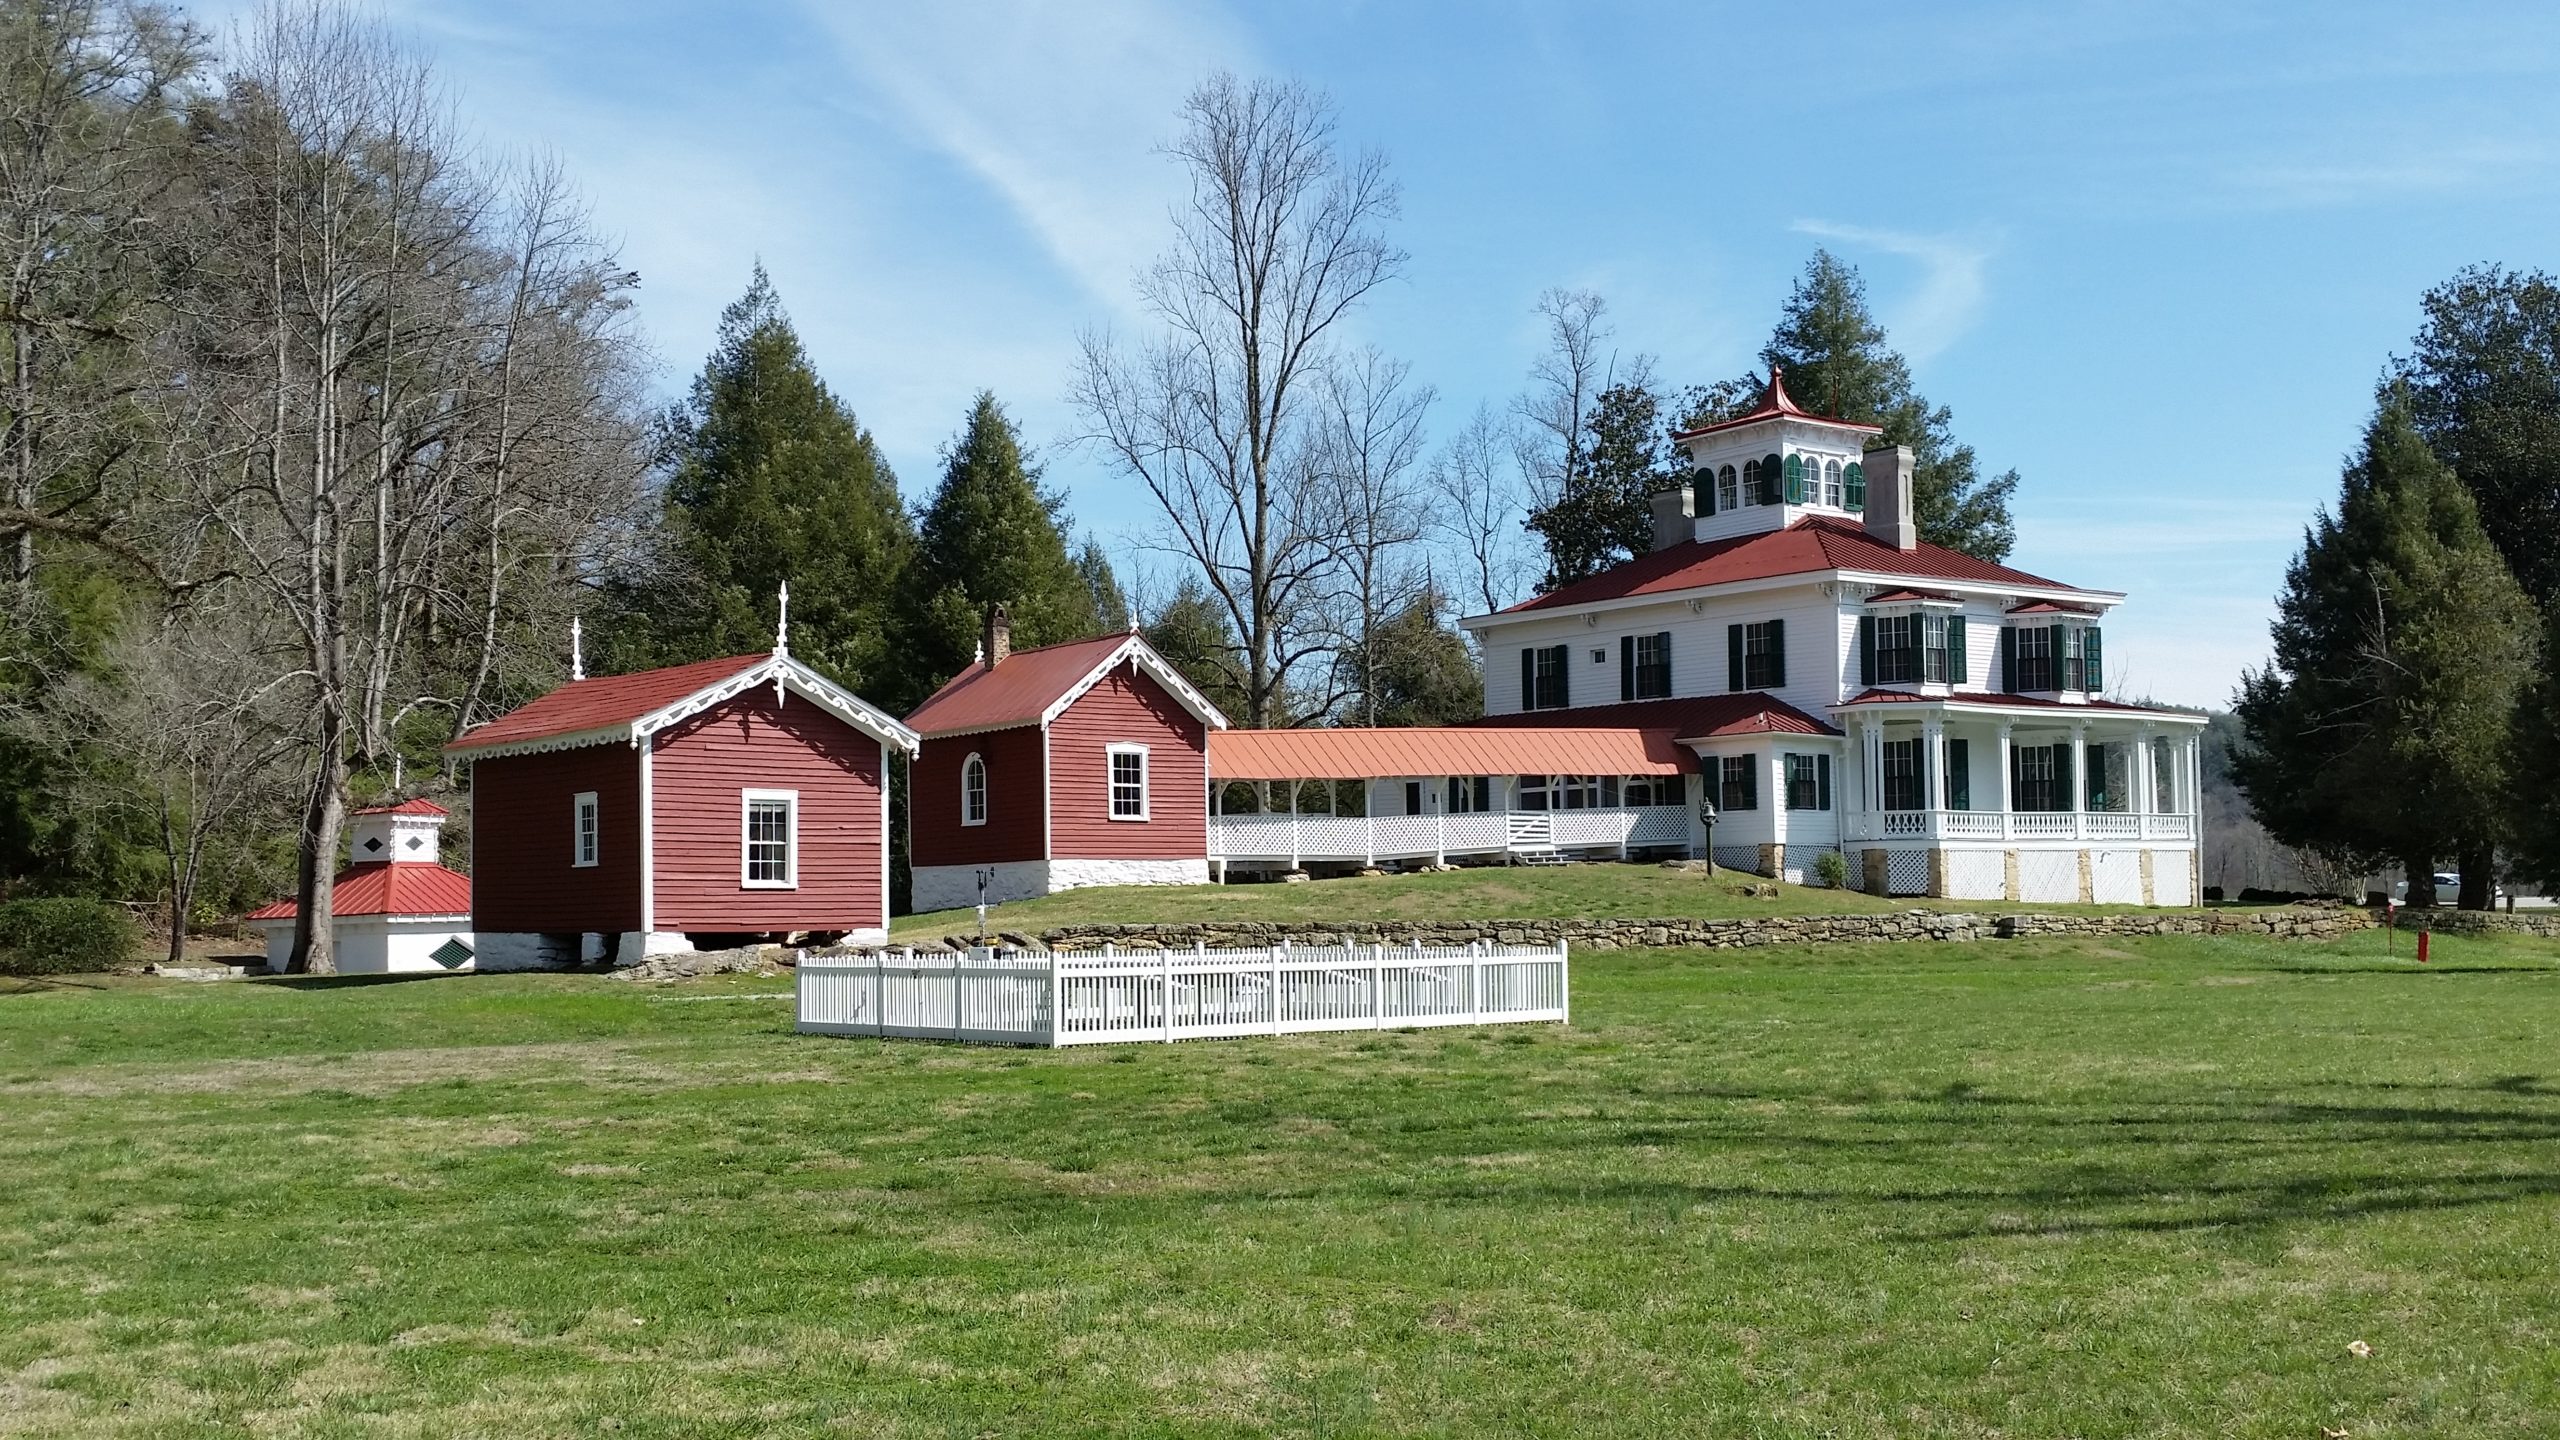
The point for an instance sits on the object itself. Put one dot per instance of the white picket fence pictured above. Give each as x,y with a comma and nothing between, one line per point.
994,997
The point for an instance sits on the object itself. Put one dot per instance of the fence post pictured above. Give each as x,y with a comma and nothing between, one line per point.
959,976
1378,986
1475,986
1564,981
1056,1000
1440,840
1168,997
1271,957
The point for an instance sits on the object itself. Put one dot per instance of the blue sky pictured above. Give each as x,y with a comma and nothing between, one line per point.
2153,255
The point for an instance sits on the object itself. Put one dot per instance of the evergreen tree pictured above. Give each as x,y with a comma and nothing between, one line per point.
771,479
1603,512
991,536
1191,632
2381,729
2483,381
1110,603
1838,363
1427,672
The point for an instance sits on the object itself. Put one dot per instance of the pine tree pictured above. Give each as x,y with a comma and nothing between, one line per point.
2382,727
1110,602
991,536
2483,380
1603,513
1427,672
1838,362
771,479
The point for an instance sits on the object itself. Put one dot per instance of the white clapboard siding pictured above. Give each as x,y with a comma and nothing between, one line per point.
1080,998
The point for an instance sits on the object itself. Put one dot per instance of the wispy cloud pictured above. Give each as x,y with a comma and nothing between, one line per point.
1058,108
1952,286
2435,170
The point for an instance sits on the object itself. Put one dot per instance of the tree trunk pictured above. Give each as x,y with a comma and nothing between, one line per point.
2479,869
2422,882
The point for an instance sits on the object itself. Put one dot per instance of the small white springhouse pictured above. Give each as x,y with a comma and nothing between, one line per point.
1790,671
396,908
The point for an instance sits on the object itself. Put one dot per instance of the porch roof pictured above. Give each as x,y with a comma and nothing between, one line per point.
1997,700
1363,754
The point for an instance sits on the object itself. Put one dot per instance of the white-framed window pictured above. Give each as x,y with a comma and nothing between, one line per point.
769,839
973,790
1128,777
1831,483
583,828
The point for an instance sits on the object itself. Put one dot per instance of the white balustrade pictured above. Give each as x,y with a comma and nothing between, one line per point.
1875,825
1007,998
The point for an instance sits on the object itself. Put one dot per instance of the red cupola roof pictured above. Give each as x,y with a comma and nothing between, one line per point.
1776,404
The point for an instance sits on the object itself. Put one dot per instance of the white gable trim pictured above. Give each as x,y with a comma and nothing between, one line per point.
788,674
1138,652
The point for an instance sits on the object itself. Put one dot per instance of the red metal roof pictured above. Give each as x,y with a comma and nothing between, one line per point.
1810,546
2030,702
1700,717
1361,754
1017,692
1776,404
388,887
602,702
406,807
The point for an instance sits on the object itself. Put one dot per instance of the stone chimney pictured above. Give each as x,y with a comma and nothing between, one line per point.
998,641
1889,497
1671,516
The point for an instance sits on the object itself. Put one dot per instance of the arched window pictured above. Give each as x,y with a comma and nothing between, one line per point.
1728,494
1831,483
973,791
1751,482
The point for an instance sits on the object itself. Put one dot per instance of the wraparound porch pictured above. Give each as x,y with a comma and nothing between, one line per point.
1297,840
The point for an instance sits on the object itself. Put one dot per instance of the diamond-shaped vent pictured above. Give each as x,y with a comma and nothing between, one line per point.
417,844
374,844
452,954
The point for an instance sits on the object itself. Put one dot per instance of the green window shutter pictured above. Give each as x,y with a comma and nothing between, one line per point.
1751,781
1626,667
1703,481
1822,782
1528,679
1959,774
1853,486
1866,649
1564,676
1777,654
1956,672
2060,672
2093,680
1733,656
1773,482
1795,479
1665,639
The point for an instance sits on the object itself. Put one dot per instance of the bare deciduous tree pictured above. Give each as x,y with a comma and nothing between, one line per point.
1369,448
1563,382
1475,481
1277,241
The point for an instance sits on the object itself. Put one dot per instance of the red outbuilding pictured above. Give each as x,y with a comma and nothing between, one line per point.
1049,769
639,814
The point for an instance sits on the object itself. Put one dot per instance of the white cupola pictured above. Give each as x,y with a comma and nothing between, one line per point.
406,833
1770,468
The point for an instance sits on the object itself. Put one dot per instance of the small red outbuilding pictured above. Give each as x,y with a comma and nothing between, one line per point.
1049,769
733,797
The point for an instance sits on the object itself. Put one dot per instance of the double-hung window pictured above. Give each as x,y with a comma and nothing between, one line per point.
1470,794
2036,670
2038,785
1543,684
2071,673
1728,490
1649,666
584,829
1933,648
1897,649
1128,782
1808,782
973,791
1739,787
1902,775
1764,656
771,846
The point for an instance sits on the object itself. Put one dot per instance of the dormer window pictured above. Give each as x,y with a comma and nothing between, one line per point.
2052,658
1922,644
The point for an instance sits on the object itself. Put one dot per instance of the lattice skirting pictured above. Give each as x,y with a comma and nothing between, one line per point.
2171,884
2115,877
1801,860
1906,872
1739,857
1977,875
2049,876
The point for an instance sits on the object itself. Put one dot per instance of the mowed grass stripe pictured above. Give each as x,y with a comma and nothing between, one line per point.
2036,1188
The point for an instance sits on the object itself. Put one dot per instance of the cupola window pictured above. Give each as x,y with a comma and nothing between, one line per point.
1728,494
1831,483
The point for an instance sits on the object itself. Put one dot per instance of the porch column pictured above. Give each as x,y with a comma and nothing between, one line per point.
1871,767
2139,776
2008,802
2080,779
1933,738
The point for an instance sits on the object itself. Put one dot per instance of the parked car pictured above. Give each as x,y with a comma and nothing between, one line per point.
2448,885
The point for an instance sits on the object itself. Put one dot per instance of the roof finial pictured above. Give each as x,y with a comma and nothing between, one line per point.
577,651
782,622
1779,400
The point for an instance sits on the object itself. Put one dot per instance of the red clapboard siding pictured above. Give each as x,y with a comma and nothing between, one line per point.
1017,799
755,742
1128,706
522,830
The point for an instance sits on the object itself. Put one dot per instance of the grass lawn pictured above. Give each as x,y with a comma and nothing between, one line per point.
1618,892
2029,1189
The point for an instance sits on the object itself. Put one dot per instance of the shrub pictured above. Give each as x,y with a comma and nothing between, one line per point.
1831,868
64,935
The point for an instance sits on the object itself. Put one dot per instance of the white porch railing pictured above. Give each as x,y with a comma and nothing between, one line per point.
2017,825
1297,839
1013,998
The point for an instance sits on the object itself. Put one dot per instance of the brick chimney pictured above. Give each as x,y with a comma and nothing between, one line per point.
1889,476
998,641
1672,522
